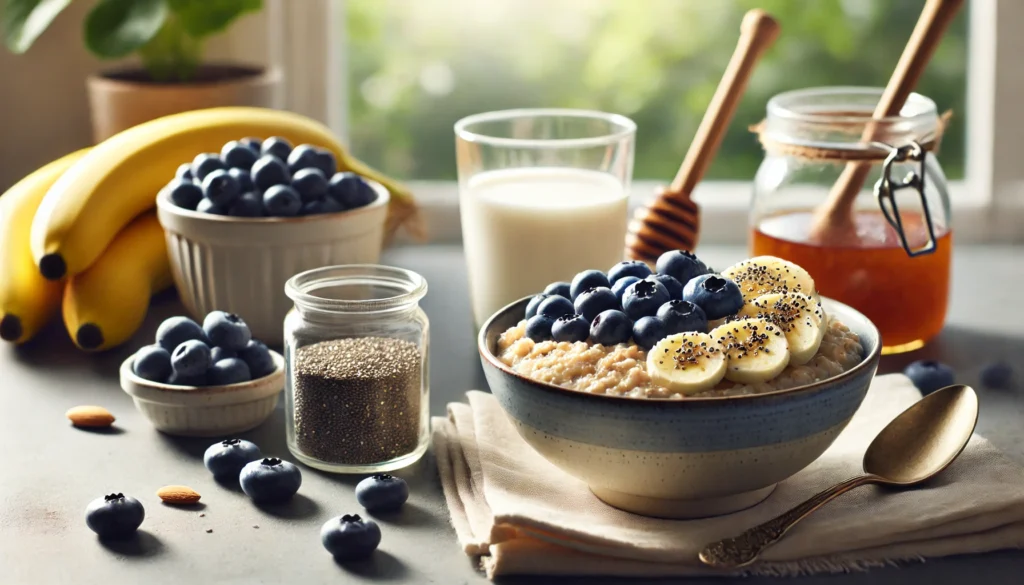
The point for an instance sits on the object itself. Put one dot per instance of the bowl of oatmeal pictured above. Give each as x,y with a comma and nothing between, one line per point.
681,424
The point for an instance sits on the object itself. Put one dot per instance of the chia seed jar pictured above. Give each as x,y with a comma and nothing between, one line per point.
357,348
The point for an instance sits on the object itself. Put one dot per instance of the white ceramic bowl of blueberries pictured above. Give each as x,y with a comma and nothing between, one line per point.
240,223
204,380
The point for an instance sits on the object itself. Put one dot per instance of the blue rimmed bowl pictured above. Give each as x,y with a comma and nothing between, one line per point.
687,458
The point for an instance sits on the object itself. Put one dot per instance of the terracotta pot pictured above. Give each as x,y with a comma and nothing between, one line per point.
122,99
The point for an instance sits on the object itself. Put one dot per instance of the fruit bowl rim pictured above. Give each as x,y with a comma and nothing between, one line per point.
128,372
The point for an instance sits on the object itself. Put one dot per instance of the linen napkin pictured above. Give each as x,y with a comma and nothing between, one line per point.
522,515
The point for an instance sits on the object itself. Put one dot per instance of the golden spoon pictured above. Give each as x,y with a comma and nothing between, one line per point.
919,443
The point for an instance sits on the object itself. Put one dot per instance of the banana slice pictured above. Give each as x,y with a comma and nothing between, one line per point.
756,350
762,275
687,362
801,319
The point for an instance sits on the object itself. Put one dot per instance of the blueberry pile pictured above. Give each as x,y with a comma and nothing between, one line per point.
250,178
632,301
221,351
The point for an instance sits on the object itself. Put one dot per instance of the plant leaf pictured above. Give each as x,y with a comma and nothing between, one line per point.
24,20
201,18
116,28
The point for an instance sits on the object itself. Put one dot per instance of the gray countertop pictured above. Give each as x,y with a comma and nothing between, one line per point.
50,471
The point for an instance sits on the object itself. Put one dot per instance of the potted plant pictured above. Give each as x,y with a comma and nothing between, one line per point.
168,37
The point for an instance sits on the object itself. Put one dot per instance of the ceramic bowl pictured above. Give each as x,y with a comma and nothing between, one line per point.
205,411
686,458
240,265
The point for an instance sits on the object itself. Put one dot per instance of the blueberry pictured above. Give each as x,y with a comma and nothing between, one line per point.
642,299
679,316
674,287
191,358
717,295
648,331
681,265
244,178
277,147
611,327
270,480
326,162
930,376
319,206
303,157
269,171
114,516
538,328
152,363
177,379
349,537
571,328
176,330
558,288
228,371
248,205
252,143
184,193
226,459
555,306
207,206
204,164
531,307
382,493
620,286
220,353
256,355
226,330
184,172
351,190
997,375
282,201
586,280
595,300
628,268
221,188
238,155
310,183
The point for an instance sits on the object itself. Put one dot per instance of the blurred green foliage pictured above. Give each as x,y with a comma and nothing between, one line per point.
417,66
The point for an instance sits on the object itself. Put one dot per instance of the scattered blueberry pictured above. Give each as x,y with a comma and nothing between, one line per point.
382,493
221,188
177,379
220,353
595,300
244,178
611,327
226,330
318,206
538,328
191,358
531,307
270,480
204,164
555,306
269,171
228,371
997,375
717,295
310,183
152,363
349,537
351,190
114,516
277,147
680,316
326,162
226,459
207,206
176,330
674,287
282,201
184,193
571,328
620,286
681,265
238,155
303,157
644,298
252,143
248,205
628,268
256,355
184,172
929,375
648,331
558,288
585,280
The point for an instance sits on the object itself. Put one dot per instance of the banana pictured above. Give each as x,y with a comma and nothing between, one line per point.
801,319
27,300
119,178
755,350
107,303
686,362
763,275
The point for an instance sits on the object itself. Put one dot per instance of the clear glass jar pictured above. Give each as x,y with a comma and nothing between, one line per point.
357,350
810,137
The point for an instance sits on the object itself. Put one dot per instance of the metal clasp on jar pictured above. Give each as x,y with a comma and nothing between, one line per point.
886,188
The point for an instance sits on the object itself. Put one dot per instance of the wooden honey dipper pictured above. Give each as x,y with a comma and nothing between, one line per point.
671,221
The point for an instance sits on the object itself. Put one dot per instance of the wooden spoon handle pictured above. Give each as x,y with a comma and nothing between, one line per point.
757,32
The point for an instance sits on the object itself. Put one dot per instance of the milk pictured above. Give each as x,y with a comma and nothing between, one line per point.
525,228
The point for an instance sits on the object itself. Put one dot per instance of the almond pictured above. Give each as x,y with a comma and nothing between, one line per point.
90,416
180,495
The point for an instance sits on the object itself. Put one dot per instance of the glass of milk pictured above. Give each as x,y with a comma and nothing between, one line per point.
543,195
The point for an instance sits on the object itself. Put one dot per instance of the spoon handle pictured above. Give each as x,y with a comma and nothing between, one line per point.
744,549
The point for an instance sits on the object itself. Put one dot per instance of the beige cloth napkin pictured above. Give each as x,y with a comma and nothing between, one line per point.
522,515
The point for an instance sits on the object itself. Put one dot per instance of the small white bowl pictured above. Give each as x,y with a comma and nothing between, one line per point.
205,411
240,264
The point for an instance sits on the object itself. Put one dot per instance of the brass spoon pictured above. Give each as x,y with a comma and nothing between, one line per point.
919,443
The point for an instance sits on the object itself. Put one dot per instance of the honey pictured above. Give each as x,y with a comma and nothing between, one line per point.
905,297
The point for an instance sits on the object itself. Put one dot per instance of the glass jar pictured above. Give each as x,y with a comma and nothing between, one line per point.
812,137
357,382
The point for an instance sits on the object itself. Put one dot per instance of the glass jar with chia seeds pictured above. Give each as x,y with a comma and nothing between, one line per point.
356,347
